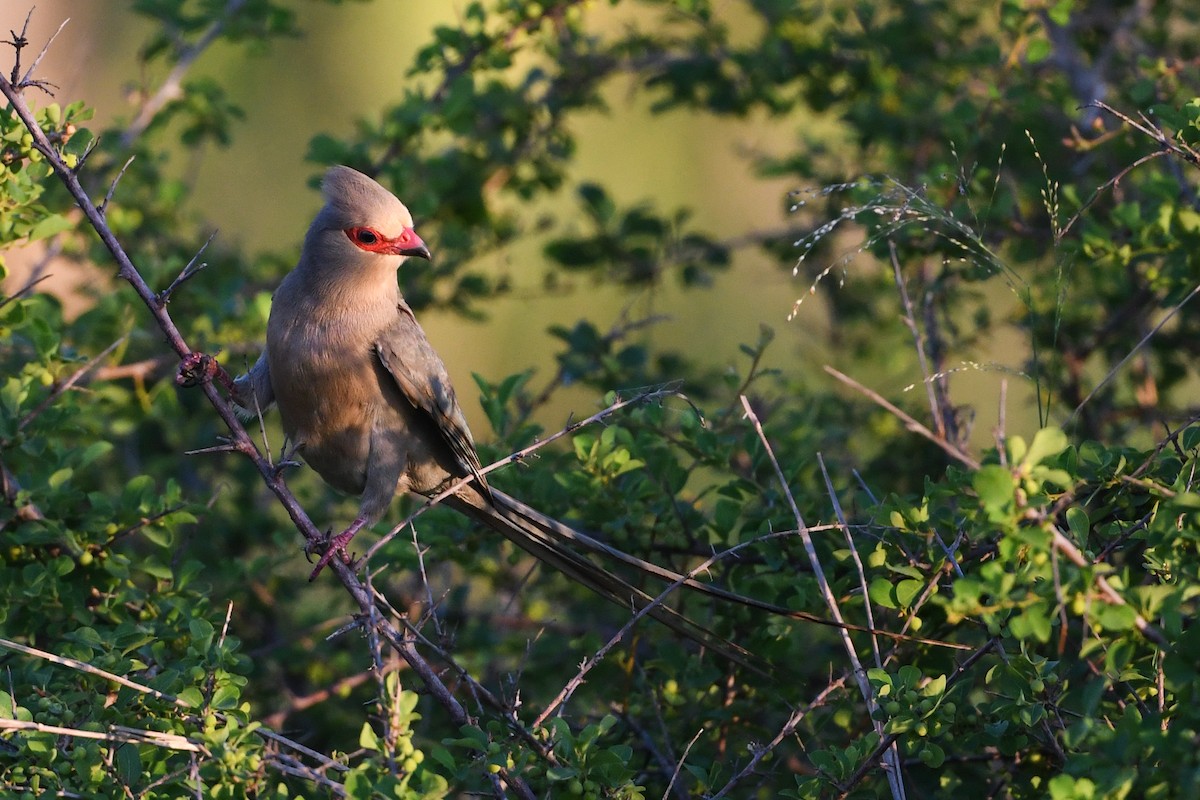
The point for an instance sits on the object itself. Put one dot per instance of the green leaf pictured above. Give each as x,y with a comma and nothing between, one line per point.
226,697
907,591
1078,523
1113,617
1046,443
367,738
994,484
880,592
128,764
49,226
561,773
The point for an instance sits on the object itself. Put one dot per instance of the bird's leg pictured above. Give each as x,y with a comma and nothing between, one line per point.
198,368
338,545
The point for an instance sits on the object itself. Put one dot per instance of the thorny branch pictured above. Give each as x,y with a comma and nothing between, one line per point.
239,439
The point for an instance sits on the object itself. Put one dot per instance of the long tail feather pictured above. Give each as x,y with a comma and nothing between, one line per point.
543,538
557,544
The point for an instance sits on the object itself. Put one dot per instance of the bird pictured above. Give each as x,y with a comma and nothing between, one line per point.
367,402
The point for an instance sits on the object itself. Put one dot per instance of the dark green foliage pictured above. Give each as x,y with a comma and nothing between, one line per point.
955,159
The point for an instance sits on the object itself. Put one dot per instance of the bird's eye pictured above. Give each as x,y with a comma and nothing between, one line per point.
365,236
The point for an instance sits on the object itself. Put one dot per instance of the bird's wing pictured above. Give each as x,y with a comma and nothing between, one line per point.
421,377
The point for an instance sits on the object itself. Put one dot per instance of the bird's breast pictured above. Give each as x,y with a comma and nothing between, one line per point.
328,396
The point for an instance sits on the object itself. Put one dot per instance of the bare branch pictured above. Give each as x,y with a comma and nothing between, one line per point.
1137,347
171,87
908,421
892,758
28,79
116,733
112,188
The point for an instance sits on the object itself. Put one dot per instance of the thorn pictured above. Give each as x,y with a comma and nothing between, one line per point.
113,187
217,448
193,266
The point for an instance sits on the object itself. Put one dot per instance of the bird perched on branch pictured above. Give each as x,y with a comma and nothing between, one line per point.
368,403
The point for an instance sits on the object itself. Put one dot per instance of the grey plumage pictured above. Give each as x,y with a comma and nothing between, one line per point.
368,403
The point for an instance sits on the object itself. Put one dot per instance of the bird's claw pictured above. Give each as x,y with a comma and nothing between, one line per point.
198,368
195,369
336,546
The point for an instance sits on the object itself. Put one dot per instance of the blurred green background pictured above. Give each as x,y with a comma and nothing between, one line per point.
349,63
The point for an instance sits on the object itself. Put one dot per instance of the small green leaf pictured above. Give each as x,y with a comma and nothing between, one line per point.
49,226
1046,443
907,591
128,764
1077,521
880,592
367,738
994,485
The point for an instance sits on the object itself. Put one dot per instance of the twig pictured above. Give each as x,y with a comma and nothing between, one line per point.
89,669
1111,595
911,321
116,733
193,266
82,666
788,728
19,42
1113,372
858,565
170,88
513,458
66,385
910,423
679,766
892,758
886,743
24,290
112,188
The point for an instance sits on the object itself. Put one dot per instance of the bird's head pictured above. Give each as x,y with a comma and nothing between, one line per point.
361,224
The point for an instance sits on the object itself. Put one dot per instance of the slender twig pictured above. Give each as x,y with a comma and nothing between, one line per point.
520,455
19,42
910,320
858,565
193,266
83,666
170,88
115,733
1111,595
24,290
787,730
910,423
28,79
887,742
112,187
679,765
892,758
66,385
1113,372
588,663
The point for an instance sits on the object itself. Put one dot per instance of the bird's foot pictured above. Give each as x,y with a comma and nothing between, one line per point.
200,368
337,546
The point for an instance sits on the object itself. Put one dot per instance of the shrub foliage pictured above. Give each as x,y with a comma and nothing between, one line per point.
1019,602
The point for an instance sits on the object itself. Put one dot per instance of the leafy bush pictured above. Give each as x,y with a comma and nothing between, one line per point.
1018,615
